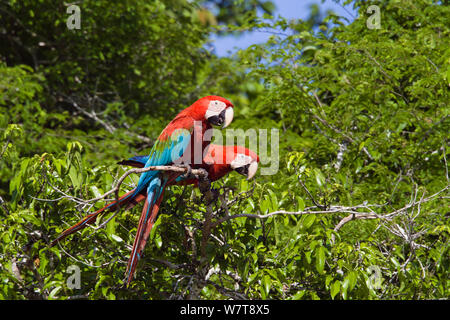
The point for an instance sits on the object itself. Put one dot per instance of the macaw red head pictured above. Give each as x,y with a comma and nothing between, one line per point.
228,158
216,110
245,162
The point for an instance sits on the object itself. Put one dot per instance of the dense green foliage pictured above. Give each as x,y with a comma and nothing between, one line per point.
357,210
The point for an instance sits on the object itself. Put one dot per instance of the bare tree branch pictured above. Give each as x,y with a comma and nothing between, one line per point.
109,127
354,213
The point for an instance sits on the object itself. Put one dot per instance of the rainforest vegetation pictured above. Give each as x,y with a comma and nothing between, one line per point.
358,207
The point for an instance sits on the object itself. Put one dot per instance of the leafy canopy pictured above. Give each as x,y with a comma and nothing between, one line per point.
357,210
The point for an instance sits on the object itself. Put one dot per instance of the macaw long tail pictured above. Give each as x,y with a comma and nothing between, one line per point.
148,213
155,193
129,199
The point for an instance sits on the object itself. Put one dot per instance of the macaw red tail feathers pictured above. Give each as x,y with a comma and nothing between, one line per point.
155,193
139,242
127,199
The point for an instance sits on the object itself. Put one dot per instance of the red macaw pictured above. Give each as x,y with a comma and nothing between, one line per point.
182,141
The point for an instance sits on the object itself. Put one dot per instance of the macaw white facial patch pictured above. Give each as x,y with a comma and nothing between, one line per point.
215,108
240,160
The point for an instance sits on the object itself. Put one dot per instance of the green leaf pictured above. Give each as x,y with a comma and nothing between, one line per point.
320,178
54,292
300,203
344,287
95,191
351,280
74,177
29,216
274,200
155,227
298,295
116,238
244,185
265,205
265,285
111,227
158,240
320,259
334,289
308,220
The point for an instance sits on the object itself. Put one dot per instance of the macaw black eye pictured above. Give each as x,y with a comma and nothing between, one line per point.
217,120
243,170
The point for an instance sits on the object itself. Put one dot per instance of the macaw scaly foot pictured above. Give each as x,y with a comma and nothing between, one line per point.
188,174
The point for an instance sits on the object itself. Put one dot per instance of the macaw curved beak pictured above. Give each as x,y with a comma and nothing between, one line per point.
252,168
223,119
228,117
249,170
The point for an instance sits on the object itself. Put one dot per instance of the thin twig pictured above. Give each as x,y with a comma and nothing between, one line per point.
109,127
310,195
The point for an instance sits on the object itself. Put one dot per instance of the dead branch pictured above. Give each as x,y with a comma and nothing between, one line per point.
109,127
353,212
330,210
